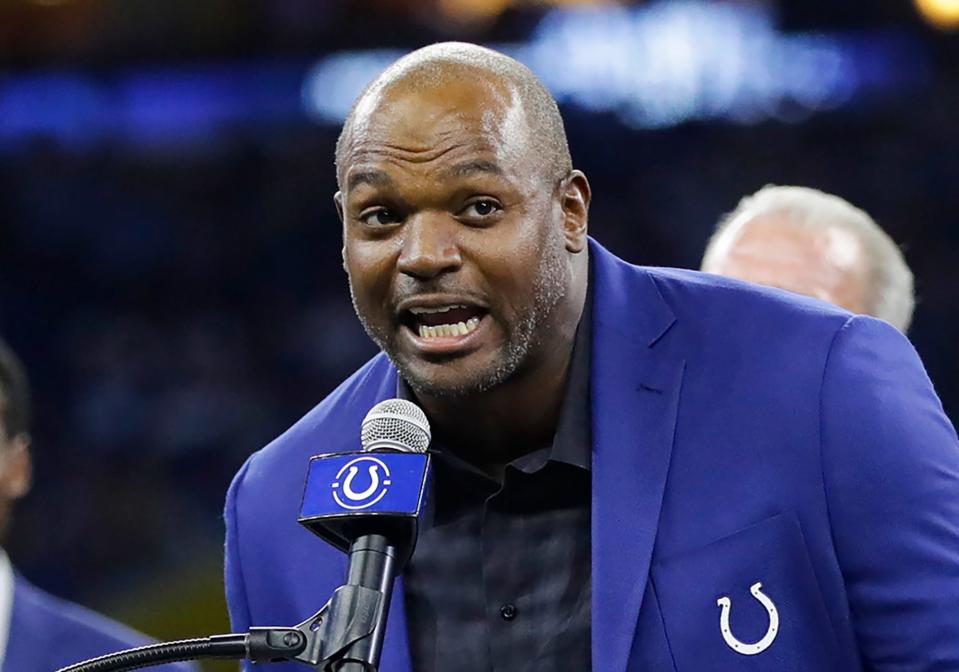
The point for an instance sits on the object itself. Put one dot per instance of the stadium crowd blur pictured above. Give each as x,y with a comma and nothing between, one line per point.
178,302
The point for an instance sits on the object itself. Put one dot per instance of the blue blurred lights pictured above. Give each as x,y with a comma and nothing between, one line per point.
331,86
65,105
663,64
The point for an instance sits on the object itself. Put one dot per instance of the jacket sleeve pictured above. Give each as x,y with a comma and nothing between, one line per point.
236,595
890,462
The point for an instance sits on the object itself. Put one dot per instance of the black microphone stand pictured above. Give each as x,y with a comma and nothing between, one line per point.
372,567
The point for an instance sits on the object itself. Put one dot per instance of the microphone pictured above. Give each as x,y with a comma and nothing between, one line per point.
367,503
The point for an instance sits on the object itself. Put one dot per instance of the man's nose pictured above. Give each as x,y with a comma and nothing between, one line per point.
430,247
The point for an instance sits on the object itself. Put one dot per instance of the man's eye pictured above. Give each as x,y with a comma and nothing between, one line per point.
482,208
379,217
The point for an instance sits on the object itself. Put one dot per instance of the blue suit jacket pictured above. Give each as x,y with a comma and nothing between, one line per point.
47,633
740,436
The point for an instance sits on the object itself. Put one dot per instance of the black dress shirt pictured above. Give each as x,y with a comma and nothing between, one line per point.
500,578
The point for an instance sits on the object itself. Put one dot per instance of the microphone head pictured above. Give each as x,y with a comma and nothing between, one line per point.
395,424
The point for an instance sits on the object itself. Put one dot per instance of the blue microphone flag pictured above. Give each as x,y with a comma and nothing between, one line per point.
351,491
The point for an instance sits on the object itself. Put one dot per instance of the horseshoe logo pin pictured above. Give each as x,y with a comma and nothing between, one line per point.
740,647
366,498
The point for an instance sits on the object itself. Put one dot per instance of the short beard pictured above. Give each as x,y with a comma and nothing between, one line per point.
550,286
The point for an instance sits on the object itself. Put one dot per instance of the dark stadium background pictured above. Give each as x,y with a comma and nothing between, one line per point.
169,252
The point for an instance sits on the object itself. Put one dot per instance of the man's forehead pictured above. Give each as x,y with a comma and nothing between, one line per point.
453,85
475,124
373,175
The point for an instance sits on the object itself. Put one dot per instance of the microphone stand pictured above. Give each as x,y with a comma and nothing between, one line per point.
372,568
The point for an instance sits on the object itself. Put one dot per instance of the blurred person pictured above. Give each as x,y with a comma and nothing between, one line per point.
40,632
635,468
817,244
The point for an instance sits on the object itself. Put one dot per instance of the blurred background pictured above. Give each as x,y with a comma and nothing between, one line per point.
169,252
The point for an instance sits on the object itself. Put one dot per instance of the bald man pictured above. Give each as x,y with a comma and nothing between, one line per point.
817,244
635,469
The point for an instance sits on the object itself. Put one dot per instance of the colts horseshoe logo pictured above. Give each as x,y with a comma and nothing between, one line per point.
374,492
750,649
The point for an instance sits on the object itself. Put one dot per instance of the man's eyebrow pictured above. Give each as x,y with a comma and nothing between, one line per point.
372,177
472,167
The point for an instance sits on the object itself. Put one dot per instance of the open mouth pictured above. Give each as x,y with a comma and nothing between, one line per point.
435,322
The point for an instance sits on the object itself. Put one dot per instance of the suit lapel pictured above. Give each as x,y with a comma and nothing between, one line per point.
635,397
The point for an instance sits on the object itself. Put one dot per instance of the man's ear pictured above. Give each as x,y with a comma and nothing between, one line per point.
16,472
575,194
338,202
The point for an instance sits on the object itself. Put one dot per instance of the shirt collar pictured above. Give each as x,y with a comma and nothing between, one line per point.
572,442
6,602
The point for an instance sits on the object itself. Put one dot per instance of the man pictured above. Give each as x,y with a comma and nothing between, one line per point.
643,469
39,632
817,244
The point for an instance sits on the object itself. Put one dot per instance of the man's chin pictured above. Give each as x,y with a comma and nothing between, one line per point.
441,386
451,380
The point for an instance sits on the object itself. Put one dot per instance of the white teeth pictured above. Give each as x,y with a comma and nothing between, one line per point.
449,330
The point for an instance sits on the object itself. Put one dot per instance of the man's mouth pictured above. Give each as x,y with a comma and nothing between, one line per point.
451,321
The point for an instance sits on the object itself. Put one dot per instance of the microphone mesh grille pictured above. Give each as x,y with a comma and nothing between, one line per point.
396,424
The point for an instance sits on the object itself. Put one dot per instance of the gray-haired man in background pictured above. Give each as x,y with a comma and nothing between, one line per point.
817,244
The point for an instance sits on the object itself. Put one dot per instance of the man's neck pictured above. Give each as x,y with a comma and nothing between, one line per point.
493,429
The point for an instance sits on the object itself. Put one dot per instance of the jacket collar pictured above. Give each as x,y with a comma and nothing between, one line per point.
635,391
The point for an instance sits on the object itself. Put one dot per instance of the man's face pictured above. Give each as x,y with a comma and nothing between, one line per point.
823,263
16,471
453,238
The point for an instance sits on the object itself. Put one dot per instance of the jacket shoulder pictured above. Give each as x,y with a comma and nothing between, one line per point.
724,310
70,621
44,624
693,308
698,292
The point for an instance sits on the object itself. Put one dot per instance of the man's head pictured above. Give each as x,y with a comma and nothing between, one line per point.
464,223
15,463
816,244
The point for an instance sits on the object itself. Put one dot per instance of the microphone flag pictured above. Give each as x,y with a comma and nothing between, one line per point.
361,492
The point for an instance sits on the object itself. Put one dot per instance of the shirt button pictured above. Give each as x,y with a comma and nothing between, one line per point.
507,612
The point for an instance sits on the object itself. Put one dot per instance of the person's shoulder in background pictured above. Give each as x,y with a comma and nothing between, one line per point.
47,633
